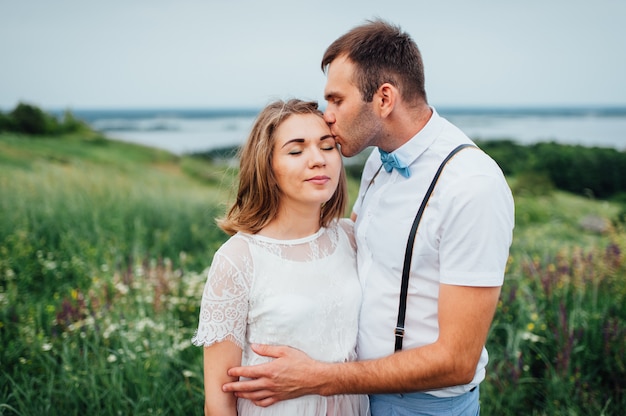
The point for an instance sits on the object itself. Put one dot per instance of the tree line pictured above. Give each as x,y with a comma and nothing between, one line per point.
31,120
596,172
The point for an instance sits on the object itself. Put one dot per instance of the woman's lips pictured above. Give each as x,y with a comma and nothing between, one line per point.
319,180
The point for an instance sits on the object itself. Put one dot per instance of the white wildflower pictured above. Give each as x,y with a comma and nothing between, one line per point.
529,336
122,288
109,330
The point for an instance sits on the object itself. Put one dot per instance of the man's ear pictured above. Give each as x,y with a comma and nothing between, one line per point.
386,97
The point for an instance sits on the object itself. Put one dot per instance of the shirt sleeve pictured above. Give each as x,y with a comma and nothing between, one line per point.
478,230
224,307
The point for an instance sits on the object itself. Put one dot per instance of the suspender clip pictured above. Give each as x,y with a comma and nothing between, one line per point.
399,332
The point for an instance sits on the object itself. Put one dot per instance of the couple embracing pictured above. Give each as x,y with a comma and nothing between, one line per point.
386,313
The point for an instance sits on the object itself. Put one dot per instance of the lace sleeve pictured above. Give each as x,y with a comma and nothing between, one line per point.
224,307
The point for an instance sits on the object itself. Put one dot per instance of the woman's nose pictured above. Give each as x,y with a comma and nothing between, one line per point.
318,158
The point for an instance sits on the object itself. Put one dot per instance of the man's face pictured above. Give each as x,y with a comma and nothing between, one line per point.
352,121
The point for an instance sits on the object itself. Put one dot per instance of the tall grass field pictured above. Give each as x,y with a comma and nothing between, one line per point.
104,248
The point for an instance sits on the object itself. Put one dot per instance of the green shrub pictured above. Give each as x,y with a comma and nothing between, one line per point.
589,171
6,123
70,124
532,183
597,171
512,158
29,119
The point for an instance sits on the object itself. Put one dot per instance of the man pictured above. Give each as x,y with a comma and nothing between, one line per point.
376,97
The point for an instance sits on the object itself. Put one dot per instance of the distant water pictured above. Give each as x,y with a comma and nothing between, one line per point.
186,131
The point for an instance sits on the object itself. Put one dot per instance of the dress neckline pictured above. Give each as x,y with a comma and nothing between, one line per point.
294,242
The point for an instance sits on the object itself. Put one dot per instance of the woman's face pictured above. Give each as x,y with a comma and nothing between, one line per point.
306,161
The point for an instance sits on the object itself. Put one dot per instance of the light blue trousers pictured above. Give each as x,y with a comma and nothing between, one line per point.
422,404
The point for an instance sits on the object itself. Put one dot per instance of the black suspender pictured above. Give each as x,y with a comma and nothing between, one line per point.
406,268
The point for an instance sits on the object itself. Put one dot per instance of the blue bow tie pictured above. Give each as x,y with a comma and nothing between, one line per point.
390,161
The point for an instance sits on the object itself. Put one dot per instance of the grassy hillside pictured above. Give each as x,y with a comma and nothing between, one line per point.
103,245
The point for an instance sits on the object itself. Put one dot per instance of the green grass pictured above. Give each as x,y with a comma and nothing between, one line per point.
103,251
97,239
557,344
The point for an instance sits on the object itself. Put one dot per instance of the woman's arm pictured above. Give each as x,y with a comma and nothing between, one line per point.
218,358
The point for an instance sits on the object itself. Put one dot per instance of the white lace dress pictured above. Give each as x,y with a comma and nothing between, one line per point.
303,293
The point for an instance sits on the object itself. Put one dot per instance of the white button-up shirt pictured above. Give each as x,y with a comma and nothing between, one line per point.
463,238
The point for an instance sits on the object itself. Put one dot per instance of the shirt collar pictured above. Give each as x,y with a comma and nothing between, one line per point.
411,150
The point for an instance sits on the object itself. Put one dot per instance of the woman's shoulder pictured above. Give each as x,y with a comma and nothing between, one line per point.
345,223
236,246
346,226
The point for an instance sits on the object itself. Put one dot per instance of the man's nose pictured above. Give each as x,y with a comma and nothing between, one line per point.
329,117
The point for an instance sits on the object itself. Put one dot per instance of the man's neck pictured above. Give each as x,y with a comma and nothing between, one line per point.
405,124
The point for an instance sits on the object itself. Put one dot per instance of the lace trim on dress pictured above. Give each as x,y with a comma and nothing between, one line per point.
308,249
224,306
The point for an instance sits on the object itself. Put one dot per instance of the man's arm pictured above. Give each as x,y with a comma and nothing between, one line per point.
465,315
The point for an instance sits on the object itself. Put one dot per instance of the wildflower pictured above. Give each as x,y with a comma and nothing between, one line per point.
529,336
112,358
50,265
122,288
109,330
144,323
187,374
182,345
46,346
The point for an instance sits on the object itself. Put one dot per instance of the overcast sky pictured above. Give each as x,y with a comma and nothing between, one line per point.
243,53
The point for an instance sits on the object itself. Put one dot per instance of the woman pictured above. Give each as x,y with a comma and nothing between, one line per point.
288,273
